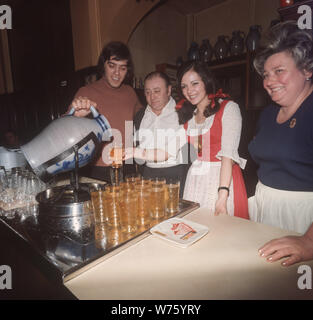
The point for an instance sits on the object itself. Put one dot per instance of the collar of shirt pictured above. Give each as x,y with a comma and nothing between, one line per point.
167,119
151,126
169,108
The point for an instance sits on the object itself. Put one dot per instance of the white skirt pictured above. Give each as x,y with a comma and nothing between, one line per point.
290,210
202,183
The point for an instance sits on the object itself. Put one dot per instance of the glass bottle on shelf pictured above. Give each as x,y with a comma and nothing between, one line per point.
253,38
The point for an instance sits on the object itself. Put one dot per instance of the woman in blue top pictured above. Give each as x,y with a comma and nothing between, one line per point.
283,145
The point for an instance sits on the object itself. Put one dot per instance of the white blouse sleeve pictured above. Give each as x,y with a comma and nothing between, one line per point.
231,131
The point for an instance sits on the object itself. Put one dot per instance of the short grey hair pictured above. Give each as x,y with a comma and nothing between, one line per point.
287,37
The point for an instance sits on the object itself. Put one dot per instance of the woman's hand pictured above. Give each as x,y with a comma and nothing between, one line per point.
82,106
294,248
221,203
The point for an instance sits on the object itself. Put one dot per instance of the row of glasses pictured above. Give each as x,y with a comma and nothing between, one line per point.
132,206
164,197
106,202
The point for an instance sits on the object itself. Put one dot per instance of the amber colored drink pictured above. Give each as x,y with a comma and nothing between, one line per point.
143,209
112,205
172,201
129,202
116,154
100,235
157,199
98,206
114,237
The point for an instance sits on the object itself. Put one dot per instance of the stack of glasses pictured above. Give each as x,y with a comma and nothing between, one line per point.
18,188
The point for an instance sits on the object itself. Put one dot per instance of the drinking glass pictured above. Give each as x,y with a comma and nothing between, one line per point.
15,177
129,203
97,200
32,188
172,196
143,208
112,205
3,179
157,198
23,186
100,235
116,154
108,237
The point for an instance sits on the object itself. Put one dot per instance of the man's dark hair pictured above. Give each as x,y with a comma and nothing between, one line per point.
119,51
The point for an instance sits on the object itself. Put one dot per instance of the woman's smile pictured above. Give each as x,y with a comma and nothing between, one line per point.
193,89
283,81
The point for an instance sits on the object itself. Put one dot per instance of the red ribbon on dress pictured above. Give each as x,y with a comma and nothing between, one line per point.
180,103
219,94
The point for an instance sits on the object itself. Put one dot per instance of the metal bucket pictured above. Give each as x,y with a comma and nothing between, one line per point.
66,211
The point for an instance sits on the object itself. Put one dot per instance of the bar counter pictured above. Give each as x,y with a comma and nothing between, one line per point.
223,265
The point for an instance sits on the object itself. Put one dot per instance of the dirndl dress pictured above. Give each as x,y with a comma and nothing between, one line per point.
203,176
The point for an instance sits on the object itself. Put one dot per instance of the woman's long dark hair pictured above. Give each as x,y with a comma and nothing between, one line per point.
186,112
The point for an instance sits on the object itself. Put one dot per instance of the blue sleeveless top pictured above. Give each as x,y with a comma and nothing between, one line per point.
284,152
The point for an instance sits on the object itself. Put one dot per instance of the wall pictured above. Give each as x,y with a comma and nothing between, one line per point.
84,25
164,34
160,37
233,15
96,22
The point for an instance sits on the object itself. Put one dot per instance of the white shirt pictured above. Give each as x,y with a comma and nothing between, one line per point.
161,132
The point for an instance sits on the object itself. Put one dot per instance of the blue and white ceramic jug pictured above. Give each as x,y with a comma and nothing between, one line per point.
53,150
